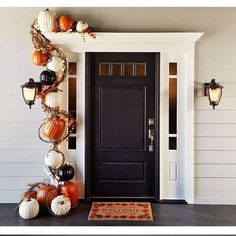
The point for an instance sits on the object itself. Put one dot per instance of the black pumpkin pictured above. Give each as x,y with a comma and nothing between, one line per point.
48,77
66,172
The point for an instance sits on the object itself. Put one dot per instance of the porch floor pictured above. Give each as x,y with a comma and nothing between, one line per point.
164,214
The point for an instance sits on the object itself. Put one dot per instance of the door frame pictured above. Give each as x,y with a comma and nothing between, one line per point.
88,119
165,43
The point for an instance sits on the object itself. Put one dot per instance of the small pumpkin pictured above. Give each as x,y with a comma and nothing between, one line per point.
29,194
60,205
54,128
29,208
56,64
45,195
81,26
54,159
39,58
66,172
47,77
53,99
47,20
66,23
70,189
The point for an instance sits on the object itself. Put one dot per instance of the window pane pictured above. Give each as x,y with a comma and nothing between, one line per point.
172,106
72,68
72,143
128,69
116,69
140,69
104,68
72,98
172,143
172,68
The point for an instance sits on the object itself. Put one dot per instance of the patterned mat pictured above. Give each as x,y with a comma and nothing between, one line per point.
132,211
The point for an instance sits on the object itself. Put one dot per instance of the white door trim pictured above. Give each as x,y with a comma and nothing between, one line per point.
179,43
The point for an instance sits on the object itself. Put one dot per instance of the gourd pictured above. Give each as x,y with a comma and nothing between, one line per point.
81,26
29,208
53,99
66,172
39,58
47,77
70,189
66,23
46,194
47,20
54,159
60,205
56,64
54,128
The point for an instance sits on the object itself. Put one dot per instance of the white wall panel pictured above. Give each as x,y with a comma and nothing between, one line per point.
215,170
215,130
219,157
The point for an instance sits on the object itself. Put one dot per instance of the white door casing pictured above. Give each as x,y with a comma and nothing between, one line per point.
173,47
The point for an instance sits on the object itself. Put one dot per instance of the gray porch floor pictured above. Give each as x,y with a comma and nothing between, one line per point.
164,215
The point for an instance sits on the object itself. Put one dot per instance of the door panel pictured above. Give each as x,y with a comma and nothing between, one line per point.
122,99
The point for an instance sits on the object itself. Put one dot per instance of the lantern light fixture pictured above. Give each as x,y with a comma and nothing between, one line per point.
29,91
214,92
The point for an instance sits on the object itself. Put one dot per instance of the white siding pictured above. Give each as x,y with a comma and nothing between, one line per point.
21,153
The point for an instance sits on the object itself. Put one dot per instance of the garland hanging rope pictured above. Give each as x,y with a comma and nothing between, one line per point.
56,119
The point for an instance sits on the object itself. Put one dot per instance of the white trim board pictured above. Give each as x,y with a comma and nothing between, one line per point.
167,44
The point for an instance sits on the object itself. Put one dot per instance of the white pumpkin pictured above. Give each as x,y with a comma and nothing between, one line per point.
54,159
81,26
46,20
29,208
56,64
53,99
60,205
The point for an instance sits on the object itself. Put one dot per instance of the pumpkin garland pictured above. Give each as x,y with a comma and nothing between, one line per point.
60,194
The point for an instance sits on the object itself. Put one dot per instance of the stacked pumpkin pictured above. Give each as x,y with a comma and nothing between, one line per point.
62,193
58,200
48,22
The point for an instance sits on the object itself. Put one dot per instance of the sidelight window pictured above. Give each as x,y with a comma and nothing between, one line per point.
173,106
72,71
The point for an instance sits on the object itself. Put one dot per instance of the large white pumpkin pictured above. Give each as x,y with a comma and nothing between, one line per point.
54,159
46,20
81,26
29,208
53,99
56,64
60,205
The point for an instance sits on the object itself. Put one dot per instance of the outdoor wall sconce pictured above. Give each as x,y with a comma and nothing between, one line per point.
214,92
29,91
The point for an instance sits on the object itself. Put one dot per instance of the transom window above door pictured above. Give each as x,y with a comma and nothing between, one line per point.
122,69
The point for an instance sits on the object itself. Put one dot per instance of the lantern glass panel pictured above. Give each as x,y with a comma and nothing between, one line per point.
215,94
29,93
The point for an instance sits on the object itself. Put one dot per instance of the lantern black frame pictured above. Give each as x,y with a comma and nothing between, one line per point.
212,85
31,84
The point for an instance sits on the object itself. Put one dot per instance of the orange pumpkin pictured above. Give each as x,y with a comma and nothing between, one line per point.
46,194
70,190
29,194
66,23
39,58
54,128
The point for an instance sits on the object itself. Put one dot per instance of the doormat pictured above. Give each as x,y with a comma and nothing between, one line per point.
130,211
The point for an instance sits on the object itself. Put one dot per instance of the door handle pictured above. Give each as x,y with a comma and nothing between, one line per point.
151,134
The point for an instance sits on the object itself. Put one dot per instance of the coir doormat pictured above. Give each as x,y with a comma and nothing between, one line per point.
130,211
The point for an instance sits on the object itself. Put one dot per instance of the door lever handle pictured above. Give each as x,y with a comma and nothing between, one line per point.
151,134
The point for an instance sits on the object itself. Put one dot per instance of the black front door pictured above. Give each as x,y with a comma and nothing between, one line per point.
122,125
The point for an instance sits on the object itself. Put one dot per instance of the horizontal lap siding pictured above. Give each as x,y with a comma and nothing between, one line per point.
215,130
